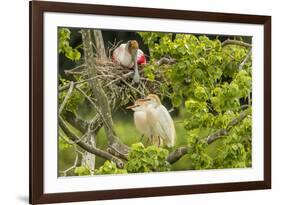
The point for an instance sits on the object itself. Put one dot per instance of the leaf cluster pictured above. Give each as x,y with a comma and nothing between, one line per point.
147,159
109,167
208,80
65,47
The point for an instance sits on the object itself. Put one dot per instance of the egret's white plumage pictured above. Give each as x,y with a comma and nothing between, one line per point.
140,118
154,121
160,120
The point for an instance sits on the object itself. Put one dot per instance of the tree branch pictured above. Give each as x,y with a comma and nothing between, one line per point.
87,147
99,93
74,70
245,60
181,151
236,42
165,60
177,154
62,88
68,94
76,122
224,131
99,44
93,104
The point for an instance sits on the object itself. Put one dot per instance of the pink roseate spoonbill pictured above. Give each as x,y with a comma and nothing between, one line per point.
141,60
160,120
140,118
129,55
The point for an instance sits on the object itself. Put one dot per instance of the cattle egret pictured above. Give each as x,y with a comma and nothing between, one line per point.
153,120
129,55
160,120
140,117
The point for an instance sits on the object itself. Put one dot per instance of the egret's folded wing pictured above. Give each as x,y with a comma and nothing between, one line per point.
167,125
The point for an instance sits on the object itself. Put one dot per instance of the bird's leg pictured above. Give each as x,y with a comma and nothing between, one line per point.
148,140
156,141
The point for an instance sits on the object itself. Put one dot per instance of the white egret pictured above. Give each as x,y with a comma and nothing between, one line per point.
140,117
160,121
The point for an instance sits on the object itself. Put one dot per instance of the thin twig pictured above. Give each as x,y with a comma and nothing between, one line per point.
68,94
124,81
73,166
93,103
245,60
77,68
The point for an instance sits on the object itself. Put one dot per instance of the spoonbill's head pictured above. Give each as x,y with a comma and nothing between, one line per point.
152,100
139,105
133,46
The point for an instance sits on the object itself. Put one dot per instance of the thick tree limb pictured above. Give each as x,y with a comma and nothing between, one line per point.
87,147
102,101
75,122
99,44
236,42
95,125
223,132
177,154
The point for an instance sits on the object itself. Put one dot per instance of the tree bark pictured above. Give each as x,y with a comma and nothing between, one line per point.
101,98
177,154
99,44
236,42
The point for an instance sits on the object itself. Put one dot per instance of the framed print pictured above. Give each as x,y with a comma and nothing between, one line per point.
136,102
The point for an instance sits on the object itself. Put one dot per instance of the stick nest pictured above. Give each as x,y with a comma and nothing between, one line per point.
117,82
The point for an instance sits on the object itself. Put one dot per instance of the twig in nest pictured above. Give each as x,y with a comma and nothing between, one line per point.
76,69
124,81
113,46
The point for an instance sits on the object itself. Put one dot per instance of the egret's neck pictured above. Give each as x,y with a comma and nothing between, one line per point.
154,105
